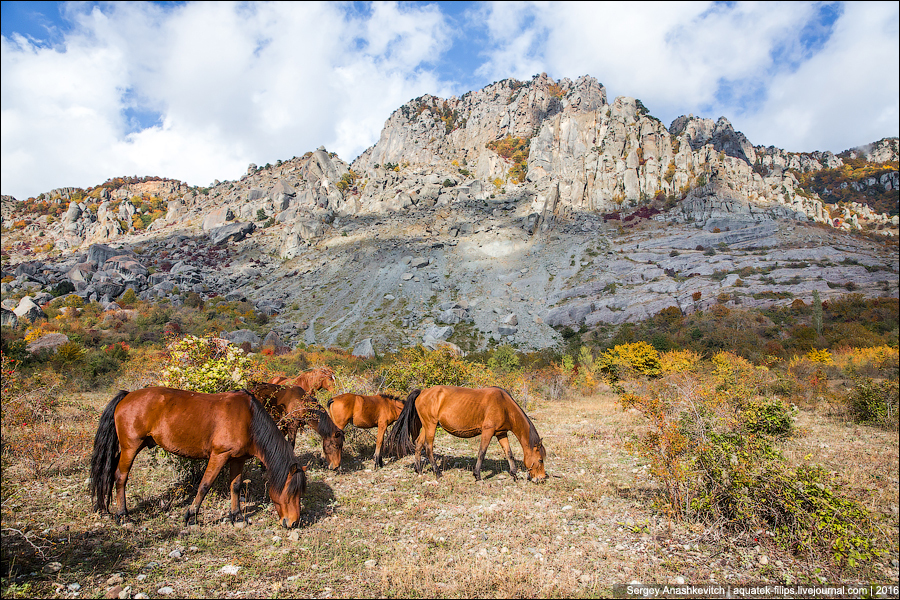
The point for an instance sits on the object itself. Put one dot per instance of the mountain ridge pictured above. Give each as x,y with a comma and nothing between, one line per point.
504,190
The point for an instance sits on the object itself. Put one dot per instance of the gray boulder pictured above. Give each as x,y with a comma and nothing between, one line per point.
364,349
217,218
8,318
242,335
50,342
233,232
100,253
29,311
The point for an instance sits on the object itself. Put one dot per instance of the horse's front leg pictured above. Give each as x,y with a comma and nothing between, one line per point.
216,462
382,426
486,435
235,473
504,443
292,428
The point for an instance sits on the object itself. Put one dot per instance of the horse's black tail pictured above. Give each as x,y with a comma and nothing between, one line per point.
105,458
400,441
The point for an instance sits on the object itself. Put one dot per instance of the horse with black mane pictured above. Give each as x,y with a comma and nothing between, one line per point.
293,407
466,413
225,428
365,412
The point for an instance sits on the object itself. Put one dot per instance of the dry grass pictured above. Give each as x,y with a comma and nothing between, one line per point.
393,533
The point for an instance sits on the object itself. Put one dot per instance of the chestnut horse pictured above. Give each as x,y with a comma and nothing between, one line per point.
224,428
365,412
466,413
320,378
292,407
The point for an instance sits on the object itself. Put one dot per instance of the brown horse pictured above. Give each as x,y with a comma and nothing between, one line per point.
365,412
292,407
320,378
225,428
466,413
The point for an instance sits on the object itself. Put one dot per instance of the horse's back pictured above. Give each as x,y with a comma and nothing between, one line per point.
462,411
185,422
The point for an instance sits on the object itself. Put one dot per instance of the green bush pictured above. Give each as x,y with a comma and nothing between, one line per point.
713,453
421,368
504,359
875,402
768,416
745,483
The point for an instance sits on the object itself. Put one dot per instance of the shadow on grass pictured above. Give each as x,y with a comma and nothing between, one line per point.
490,468
60,557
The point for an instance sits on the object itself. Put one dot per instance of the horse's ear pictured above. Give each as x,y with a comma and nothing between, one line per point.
303,468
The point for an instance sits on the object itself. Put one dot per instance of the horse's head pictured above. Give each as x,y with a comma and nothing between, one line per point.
332,447
288,500
327,379
534,461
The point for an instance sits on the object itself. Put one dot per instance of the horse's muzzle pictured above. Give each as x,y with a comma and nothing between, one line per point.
284,523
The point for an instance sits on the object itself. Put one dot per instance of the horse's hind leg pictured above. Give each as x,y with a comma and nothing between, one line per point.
504,443
126,459
235,472
420,441
216,462
486,435
429,432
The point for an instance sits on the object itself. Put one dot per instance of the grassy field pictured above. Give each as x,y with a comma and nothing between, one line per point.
392,533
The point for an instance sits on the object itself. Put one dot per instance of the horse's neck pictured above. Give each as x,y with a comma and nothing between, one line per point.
521,428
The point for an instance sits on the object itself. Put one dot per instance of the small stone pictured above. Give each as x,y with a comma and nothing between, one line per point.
370,564
141,576
165,591
763,559
73,587
294,536
115,579
231,569
125,593
175,554
53,567
679,580
141,596
114,592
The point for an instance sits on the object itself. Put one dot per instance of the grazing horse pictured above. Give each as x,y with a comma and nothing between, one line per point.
320,378
292,407
225,428
466,413
365,412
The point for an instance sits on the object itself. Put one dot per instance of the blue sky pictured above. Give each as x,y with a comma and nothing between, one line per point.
197,91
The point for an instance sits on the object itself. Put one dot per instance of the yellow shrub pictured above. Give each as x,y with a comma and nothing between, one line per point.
819,356
640,357
679,361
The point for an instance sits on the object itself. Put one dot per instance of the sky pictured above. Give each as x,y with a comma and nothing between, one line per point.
197,91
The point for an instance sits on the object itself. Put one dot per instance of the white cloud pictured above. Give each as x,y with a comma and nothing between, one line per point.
681,58
234,83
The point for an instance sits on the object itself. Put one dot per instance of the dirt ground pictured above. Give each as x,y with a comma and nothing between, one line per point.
392,533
